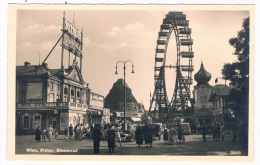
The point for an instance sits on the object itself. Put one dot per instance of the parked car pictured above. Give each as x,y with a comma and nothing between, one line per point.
186,128
157,130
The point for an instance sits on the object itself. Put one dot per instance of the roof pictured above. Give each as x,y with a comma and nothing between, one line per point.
41,70
135,119
202,76
219,90
31,70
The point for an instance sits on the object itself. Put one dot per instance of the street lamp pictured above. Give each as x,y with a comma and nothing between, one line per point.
124,62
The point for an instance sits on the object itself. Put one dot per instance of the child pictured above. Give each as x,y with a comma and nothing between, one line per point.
56,135
44,135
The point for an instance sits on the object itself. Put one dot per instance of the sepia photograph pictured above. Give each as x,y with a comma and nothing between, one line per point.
142,82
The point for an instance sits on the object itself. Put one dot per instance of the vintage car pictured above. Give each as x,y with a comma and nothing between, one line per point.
157,130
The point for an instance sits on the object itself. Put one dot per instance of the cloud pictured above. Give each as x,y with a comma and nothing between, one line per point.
130,35
39,28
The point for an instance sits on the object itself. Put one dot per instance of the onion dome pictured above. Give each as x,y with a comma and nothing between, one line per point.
202,76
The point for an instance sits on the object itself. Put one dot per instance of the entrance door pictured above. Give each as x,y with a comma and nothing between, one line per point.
53,122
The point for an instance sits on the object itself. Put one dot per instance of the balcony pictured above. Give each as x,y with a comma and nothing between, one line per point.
51,105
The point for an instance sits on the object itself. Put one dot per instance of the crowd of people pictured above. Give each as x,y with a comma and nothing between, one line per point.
112,133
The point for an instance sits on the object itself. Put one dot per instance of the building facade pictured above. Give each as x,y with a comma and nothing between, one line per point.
96,112
56,97
223,111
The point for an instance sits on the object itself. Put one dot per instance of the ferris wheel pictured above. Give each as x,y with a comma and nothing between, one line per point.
176,23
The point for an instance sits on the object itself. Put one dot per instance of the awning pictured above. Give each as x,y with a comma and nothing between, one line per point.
135,119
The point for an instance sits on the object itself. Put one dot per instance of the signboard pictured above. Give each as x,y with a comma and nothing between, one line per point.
34,90
72,39
64,120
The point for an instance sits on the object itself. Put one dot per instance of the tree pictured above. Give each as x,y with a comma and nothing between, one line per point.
238,73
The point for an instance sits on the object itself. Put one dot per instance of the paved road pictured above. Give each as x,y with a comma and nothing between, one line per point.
192,146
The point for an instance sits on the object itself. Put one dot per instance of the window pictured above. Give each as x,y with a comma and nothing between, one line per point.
201,99
58,87
205,99
72,92
26,121
37,121
78,94
52,86
65,90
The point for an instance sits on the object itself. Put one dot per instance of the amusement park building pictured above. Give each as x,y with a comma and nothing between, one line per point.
57,97
96,112
212,103
44,97
223,111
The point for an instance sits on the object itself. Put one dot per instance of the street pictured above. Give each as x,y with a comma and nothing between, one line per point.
193,145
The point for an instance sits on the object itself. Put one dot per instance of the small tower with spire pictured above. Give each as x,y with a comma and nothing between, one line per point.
202,77
201,93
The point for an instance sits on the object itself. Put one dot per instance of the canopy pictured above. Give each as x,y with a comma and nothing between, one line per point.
135,119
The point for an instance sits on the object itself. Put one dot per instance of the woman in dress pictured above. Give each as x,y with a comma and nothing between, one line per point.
118,138
49,133
38,134
111,137
139,135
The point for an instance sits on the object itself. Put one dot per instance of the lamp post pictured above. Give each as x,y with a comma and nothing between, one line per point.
124,62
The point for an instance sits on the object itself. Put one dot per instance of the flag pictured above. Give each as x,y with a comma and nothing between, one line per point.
216,80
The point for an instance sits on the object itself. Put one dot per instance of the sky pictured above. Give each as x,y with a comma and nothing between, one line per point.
121,34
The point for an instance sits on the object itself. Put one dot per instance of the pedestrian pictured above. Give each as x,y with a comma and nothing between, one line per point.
44,135
71,130
76,130
165,135
204,132
174,136
170,135
214,132
49,132
111,136
180,135
80,133
139,135
117,131
38,134
56,135
96,136
65,133
148,135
